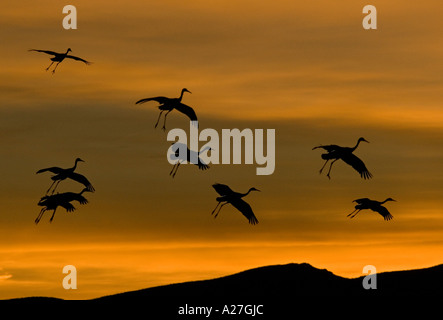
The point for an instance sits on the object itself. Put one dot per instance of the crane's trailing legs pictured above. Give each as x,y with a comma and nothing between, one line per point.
53,71
53,214
49,66
218,203
321,170
156,124
55,187
40,215
47,191
172,173
164,122
352,214
330,167
219,206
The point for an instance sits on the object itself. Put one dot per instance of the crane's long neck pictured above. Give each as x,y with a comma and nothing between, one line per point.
245,194
75,165
385,201
204,149
356,146
181,95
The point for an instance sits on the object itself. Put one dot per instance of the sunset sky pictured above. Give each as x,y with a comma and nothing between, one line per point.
306,69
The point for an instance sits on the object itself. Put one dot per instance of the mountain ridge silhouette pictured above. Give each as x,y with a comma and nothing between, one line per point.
297,280
293,279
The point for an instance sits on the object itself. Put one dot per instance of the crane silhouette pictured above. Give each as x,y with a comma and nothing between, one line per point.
346,154
189,156
373,205
169,104
62,174
59,57
234,198
64,200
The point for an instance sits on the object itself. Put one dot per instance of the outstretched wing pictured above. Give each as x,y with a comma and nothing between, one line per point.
222,189
187,110
81,199
45,51
329,148
362,200
78,59
69,207
245,209
161,100
82,179
357,164
55,170
71,196
202,165
384,212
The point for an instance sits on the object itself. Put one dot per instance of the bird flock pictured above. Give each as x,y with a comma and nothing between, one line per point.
53,201
333,153
346,154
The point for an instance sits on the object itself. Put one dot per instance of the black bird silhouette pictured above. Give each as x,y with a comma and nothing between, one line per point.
64,200
62,174
373,205
169,104
52,203
59,57
346,154
190,155
234,198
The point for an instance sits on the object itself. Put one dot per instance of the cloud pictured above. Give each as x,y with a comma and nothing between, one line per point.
4,275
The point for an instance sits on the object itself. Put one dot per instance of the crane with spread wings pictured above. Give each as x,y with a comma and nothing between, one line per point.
59,57
183,154
376,206
62,174
235,199
63,200
335,153
169,104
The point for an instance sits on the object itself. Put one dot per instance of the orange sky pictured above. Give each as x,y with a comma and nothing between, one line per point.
309,71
